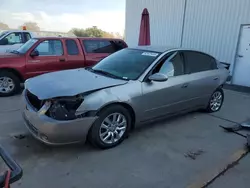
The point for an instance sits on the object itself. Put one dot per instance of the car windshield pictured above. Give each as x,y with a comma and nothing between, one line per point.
127,63
3,33
25,47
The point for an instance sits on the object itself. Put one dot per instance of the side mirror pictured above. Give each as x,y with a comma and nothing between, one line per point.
4,41
158,77
34,53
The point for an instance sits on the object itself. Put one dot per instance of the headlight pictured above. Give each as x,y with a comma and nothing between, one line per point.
64,108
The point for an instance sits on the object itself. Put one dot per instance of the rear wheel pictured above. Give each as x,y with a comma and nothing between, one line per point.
216,101
111,128
9,84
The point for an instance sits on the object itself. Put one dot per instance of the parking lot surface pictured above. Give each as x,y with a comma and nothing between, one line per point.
235,177
174,153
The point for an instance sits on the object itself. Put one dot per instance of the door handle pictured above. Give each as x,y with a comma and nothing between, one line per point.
217,78
62,60
240,56
184,85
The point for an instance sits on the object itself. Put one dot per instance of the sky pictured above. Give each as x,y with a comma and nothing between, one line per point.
62,15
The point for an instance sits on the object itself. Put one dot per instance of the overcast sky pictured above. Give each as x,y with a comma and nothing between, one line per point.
62,15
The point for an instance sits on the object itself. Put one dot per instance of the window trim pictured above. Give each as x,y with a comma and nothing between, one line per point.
194,51
172,54
79,53
48,55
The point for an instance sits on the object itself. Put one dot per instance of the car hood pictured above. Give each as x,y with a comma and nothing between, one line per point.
7,48
9,55
68,83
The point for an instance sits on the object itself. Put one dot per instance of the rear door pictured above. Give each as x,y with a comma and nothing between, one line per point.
74,54
51,57
97,49
203,76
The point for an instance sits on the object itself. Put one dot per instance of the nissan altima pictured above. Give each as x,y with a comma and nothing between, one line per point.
105,102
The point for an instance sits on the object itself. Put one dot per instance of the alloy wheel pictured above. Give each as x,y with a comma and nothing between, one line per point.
113,128
216,101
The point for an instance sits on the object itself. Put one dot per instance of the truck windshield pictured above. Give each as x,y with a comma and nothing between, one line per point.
3,33
24,48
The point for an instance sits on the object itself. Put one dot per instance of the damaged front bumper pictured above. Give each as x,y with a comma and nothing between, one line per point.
55,132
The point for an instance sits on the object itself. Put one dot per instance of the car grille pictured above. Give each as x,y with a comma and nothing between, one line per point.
30,126
33,100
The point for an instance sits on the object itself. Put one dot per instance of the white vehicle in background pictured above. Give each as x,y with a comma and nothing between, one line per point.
13,39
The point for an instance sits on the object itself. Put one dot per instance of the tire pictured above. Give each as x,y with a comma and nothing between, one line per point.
97,129
10,78
218,98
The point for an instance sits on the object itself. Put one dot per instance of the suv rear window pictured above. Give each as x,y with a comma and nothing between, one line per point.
100,46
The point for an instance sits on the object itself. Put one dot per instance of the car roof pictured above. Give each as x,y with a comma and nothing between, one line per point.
159,49
162,49
85,38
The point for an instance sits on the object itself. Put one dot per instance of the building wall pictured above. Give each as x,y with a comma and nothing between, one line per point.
166,19
212,26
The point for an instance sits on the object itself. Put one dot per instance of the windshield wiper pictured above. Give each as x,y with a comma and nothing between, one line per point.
105,73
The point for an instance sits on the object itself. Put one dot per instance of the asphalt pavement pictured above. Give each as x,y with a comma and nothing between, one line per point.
185,151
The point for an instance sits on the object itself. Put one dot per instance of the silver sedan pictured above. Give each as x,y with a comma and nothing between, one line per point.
135,85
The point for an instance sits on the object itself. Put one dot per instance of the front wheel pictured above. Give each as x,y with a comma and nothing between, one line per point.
111,128
216,101
9,84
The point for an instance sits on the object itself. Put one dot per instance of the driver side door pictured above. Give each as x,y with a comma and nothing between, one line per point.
51,58
168,97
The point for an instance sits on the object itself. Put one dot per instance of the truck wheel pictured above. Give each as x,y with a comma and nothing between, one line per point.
9,84
111,128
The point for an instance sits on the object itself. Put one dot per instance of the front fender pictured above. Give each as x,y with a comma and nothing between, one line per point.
97,100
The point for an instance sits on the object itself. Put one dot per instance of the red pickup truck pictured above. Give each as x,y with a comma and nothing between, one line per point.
42,55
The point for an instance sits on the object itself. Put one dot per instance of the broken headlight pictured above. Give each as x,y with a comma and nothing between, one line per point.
64,108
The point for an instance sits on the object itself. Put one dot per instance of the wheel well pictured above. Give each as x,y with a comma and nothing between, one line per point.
128,107
14,71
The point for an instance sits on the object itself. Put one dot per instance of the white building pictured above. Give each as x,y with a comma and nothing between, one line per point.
218,27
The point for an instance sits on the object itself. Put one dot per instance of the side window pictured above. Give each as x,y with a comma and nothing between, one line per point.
14,38
171,66
26,37
198,62
72,47
99,46
50,48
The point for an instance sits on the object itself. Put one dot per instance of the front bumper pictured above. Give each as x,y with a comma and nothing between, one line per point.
53,132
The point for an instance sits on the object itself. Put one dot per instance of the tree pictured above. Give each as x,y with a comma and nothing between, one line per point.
118,35
108,35
91,32
3,26
33,26
94,32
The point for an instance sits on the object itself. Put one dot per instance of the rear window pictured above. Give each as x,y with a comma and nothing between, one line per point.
72,47
26,37
198,62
